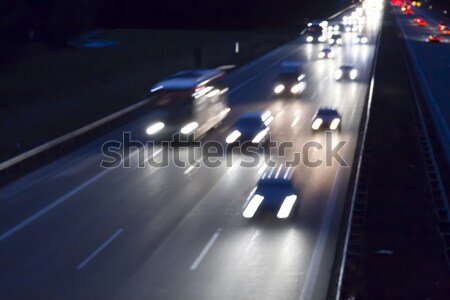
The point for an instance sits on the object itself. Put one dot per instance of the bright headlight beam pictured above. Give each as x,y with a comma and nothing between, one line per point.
316,124
353,74
252,206
232,137
278,89
154,128
337,74
309,39
156,88
258,138
286,207
189,128
296,88
335,123
213,93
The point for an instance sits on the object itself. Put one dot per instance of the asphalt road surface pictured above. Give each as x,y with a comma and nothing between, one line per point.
431,62
72,230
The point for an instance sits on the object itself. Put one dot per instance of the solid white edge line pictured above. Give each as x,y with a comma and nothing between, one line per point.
99,249
60,200
52,205
205,250
319,248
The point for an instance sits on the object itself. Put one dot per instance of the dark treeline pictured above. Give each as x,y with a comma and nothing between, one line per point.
53,21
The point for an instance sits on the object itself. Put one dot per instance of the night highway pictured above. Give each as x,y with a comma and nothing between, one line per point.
73,227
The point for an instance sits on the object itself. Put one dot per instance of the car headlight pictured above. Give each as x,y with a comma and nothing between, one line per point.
321,55
189,128
316,124
357,40
232,137
331,41
338,74
278,89
322,39
154,128
364,40
286,207
353,74
335,123
339,41
259,137
252,206
309,39
336,28
298,88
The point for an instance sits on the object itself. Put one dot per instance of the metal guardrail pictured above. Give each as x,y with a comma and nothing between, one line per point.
4,166
358,171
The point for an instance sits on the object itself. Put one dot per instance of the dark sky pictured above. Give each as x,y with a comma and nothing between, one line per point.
53,21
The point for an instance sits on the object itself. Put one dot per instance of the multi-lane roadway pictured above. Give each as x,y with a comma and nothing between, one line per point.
72,230
431,65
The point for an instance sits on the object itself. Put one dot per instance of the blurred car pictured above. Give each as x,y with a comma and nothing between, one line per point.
346,72
274,195
326,53
326,119
315,38
408,12
434,38
417,20
360,39
422,22
335,28
335,39
442,26
251,127
290,80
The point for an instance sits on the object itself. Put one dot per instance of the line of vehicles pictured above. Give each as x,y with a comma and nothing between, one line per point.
190,103
436,34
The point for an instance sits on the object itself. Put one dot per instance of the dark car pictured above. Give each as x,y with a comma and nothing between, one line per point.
251,127
434,38
346,72
326,119
360,39
274,195
290,80
326,53
335,39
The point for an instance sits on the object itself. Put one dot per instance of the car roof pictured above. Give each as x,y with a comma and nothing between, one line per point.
290,67
277,175
188,79
326,49
346,67
327,111
250,115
